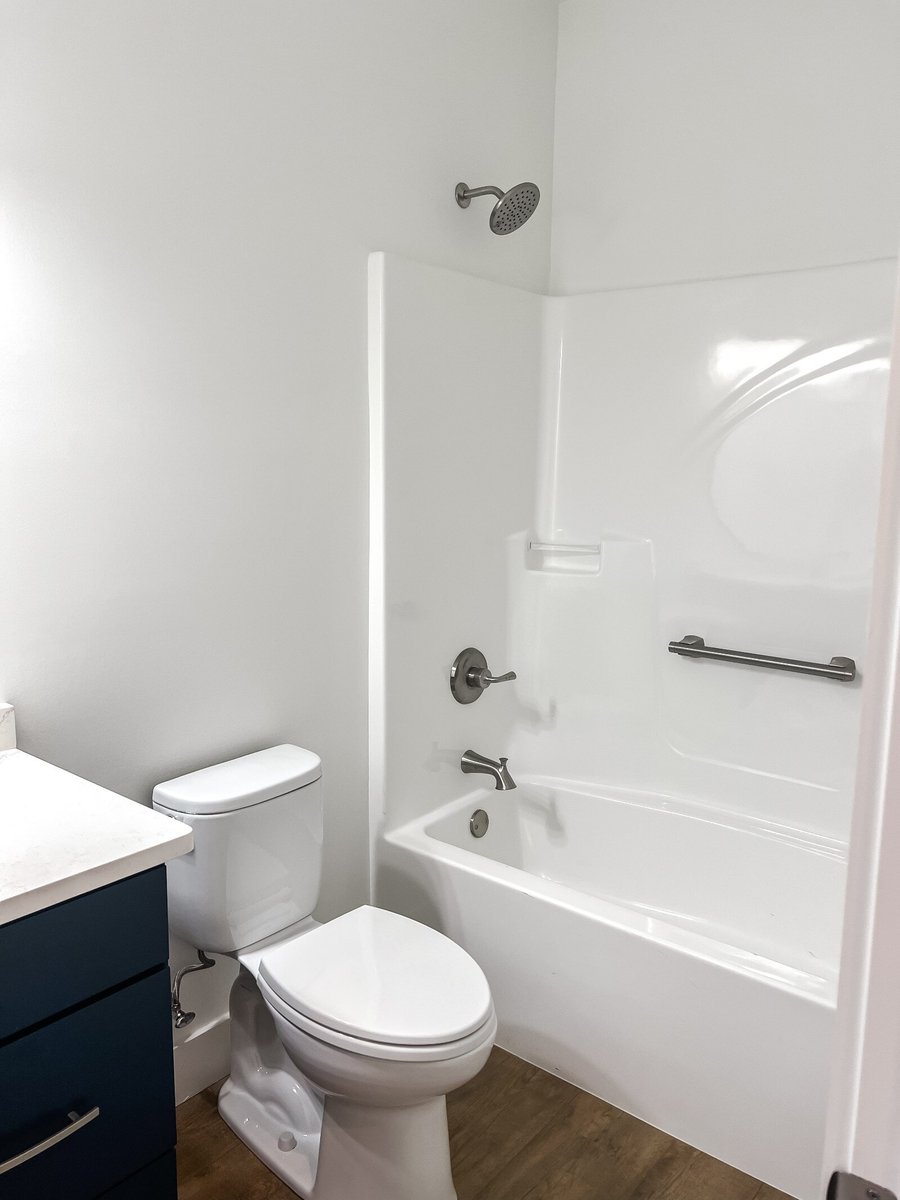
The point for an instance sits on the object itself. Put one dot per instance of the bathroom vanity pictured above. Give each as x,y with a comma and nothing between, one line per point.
86,1088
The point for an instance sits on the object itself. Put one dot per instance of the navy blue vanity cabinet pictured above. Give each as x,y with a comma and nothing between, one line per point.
86,1089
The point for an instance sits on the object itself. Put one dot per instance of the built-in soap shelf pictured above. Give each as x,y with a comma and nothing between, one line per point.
570,558
564,547
623,557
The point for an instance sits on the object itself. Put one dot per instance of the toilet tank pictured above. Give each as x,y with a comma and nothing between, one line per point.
256,865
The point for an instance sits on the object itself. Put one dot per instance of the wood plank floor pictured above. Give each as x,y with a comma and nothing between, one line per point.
516,1133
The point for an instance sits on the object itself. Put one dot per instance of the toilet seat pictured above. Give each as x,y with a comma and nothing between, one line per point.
381,985
384,1051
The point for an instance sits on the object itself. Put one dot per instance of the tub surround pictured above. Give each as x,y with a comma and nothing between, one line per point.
664,888
63,836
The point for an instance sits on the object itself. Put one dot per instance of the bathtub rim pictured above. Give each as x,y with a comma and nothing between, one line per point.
820,989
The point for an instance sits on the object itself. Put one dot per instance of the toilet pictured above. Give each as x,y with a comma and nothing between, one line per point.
346,1036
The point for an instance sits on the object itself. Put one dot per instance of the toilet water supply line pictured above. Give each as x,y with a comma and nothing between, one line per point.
179,1016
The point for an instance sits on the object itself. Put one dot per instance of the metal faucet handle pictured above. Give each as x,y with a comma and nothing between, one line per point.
470,676
484,678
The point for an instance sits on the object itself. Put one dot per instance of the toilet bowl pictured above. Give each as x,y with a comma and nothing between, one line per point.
346,1037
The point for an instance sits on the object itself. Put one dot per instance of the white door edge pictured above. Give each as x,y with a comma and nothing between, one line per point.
863,1128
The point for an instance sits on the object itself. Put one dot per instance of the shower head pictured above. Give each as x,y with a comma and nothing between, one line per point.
513,208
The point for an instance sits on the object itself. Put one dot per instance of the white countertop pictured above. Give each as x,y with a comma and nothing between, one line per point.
61,836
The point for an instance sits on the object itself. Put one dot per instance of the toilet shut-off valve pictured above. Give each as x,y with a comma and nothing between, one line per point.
470,677
179,1016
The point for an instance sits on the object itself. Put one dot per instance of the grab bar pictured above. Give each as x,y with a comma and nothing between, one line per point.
842,669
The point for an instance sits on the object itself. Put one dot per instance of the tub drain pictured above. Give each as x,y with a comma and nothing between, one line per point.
478,823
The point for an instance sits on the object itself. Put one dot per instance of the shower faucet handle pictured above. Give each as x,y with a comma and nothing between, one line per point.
470,677
484,678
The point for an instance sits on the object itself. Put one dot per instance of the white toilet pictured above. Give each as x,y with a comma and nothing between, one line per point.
345,1037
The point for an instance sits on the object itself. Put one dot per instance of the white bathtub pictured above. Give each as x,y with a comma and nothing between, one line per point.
640,947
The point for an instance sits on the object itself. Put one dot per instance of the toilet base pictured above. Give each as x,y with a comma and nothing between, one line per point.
332,1148
261,1125
384,1153
265,1100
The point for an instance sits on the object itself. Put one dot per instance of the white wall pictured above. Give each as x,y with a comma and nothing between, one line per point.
713,137
190,195
455,399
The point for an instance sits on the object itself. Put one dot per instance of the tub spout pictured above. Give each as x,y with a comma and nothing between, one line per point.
474,763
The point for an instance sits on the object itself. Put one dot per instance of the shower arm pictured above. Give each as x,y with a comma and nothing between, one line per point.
464,194
473,193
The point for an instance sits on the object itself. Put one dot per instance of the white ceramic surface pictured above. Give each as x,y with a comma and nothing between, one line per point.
253,871
335,1124
705,1014
240,782
61,836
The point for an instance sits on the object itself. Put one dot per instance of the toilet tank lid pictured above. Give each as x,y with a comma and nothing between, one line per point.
241,782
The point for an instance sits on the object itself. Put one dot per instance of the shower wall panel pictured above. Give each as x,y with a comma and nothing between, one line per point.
721,441
455,405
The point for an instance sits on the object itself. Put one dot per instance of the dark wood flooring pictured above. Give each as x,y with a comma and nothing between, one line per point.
516,1133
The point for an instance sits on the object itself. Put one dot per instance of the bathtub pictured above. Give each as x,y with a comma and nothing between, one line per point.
678,961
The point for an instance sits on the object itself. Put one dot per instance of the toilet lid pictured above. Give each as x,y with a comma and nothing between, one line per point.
376,975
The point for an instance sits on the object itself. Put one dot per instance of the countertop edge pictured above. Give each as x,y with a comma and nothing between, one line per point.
25,904
41,799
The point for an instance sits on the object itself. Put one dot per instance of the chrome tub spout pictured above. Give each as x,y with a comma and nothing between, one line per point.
474,763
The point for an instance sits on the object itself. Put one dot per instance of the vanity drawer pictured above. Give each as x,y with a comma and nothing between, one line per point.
66,954
159,1181
114,1055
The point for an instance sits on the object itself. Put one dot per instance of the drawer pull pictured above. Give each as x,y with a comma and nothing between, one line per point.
75,1123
